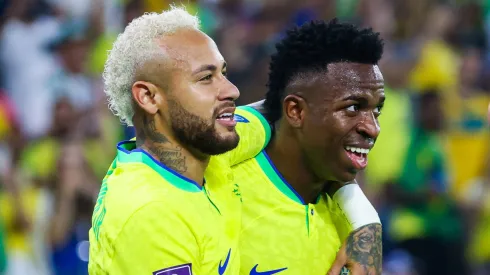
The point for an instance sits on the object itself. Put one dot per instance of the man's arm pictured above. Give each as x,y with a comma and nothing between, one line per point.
155,240
361,253
362,248
365,249
254,132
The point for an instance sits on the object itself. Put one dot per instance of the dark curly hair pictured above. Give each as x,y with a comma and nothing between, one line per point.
312,47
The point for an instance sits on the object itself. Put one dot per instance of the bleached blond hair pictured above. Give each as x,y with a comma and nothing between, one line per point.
135,47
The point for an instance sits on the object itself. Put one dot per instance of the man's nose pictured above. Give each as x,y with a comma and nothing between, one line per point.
229,91
369,127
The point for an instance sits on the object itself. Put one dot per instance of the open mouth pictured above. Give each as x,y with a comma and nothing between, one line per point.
227,117
358,156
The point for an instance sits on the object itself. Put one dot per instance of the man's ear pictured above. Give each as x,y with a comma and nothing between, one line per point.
294,108
144,94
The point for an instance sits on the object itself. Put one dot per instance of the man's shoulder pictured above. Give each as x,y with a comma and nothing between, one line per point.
247,166
252,180
136,184
133,188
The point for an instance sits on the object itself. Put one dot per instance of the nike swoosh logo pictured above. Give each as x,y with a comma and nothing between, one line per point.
222,268
270,272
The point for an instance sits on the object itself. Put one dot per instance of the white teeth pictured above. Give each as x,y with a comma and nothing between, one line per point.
225,115
357,150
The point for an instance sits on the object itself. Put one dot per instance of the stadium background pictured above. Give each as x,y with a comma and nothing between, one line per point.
428,174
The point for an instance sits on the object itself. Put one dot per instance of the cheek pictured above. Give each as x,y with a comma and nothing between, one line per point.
329,130
339,124
318,139
199,101
324,137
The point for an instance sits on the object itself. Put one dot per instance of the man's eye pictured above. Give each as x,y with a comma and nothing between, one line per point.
225,73
377,111
208,77
353,108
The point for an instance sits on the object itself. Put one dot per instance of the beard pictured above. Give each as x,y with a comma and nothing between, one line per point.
198,133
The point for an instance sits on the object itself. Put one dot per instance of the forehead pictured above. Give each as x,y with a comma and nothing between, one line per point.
190,49
353,74
339,81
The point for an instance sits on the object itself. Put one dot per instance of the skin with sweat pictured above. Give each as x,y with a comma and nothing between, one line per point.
180,120
177,121
323,113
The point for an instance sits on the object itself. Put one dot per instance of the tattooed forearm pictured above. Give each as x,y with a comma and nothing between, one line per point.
172,157
364,246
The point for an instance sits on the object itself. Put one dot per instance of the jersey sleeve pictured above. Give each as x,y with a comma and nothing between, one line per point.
254,132
156,240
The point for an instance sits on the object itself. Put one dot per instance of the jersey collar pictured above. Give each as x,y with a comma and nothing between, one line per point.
276,178
127,152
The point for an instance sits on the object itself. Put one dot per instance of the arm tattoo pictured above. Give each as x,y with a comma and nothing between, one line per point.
364,247
155,142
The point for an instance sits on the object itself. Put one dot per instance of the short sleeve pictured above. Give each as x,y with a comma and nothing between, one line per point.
156,240
254,132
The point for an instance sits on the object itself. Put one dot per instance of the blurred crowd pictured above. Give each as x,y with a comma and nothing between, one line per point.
428,175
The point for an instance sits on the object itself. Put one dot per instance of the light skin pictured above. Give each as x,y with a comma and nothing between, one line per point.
323,113
175,114
170,109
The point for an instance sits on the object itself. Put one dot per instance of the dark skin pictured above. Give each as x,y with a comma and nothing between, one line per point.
198,85
322,114
363,252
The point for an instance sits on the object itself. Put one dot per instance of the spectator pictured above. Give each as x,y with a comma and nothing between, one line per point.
27,64
54,119
57,165
425,220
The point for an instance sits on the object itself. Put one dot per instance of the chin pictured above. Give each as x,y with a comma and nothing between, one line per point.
224,129
347,175
225,142
226,135
223,145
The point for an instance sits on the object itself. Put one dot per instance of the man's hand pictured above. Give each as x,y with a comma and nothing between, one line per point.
361,253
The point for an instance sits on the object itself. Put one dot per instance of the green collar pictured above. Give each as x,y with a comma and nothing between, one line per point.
127,152
276,178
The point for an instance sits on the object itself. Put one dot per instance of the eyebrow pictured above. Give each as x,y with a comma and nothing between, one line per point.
354,98
362,99
208,67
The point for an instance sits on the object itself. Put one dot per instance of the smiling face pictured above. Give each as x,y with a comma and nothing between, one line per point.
202,102
193,96
338,117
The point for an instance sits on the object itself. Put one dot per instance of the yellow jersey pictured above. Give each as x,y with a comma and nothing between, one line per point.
280,232
148,219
